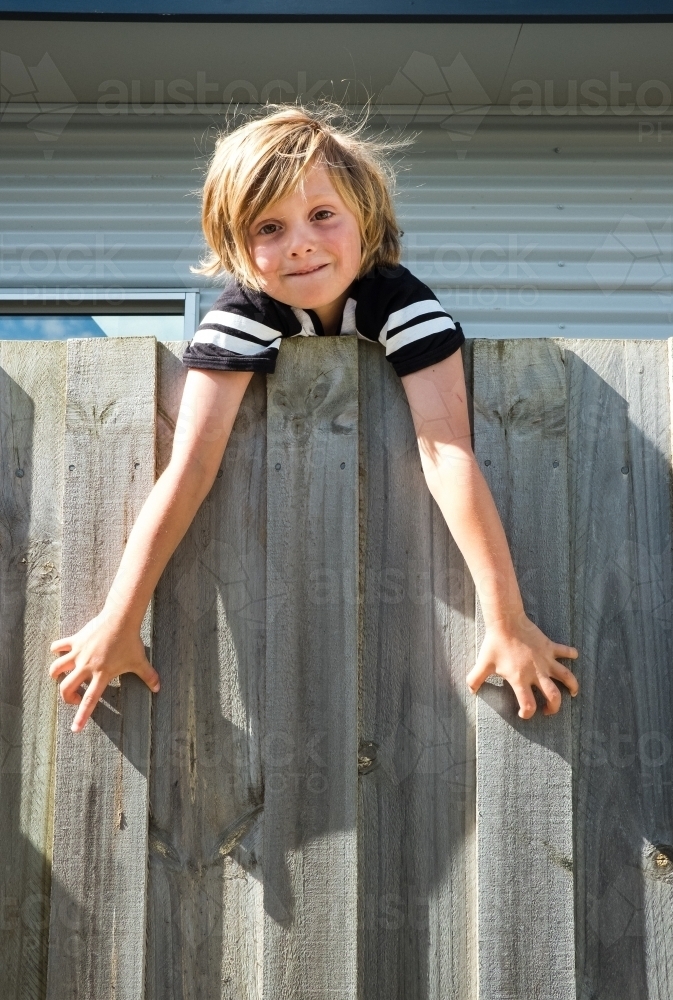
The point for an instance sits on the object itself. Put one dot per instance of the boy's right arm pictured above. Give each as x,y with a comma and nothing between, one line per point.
110,643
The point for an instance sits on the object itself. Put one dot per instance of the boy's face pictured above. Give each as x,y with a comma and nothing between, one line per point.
306,247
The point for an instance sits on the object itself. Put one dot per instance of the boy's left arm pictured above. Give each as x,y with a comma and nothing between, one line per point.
514,647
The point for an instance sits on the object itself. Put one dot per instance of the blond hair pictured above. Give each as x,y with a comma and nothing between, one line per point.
265,159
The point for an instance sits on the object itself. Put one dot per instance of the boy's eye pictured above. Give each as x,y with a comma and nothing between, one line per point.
323,213
268,228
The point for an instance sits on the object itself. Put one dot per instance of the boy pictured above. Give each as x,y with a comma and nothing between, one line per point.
300,214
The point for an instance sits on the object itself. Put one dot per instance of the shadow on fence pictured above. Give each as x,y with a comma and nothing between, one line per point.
314,804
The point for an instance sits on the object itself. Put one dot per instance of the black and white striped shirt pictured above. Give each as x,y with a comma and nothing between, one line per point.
244,328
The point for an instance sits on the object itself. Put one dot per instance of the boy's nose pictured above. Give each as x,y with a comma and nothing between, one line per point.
300,242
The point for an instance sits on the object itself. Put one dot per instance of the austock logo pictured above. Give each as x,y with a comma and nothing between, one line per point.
459,101
419,743
635,254
47,102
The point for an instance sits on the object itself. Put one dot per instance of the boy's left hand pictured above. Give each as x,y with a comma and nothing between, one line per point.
518,651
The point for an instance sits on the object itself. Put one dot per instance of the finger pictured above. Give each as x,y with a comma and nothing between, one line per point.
71,683
526,698
88,702
551,693
150,676
566,676
63,665
61,645
478,674
569,652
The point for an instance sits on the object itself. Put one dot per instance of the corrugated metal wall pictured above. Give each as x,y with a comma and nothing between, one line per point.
528,228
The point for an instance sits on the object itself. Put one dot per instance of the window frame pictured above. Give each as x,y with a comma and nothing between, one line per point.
111,301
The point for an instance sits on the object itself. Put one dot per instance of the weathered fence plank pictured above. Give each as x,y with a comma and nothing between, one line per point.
416,799
620,454
32,409
97,920
205,906
310,772
524,781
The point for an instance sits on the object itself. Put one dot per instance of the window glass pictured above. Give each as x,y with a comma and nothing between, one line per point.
63,327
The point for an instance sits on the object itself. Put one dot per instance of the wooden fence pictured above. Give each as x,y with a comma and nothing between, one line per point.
314,806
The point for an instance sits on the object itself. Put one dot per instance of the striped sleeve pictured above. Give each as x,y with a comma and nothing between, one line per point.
242,332
413,327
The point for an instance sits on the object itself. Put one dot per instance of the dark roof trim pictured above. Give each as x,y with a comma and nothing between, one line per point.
341,10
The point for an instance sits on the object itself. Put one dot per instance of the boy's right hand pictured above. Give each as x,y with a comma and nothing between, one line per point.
101,650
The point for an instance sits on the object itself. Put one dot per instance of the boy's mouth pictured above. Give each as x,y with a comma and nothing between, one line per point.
304,271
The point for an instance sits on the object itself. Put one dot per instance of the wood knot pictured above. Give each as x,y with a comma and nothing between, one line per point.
367,752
